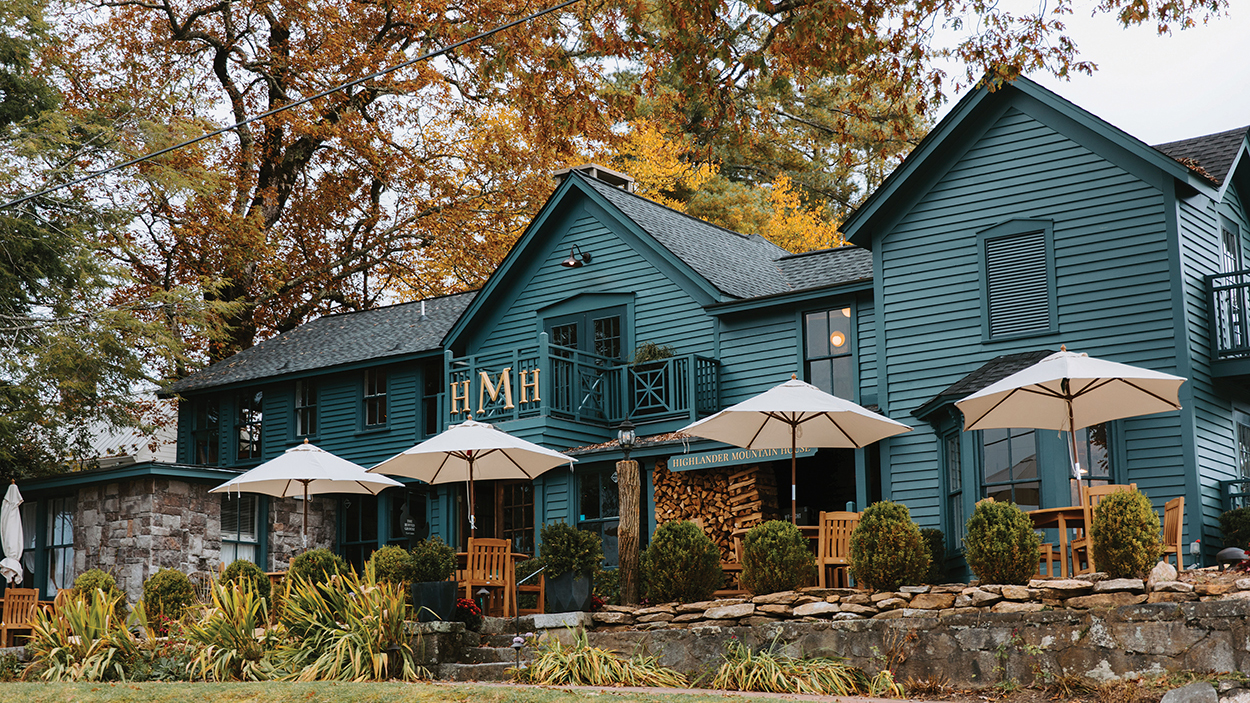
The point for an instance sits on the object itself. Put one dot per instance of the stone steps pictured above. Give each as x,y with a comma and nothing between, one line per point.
494,671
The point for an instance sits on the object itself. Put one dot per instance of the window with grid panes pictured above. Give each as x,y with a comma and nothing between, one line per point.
517,508
956,525
360,529
240,527
60,546
248,425
1009,467
205,432
599,509
305,409
375,398
1092,450
830,361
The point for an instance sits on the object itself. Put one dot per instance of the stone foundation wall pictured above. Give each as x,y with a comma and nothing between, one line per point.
134,528
979,649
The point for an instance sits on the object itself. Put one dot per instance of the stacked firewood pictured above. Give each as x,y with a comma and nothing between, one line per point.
719,498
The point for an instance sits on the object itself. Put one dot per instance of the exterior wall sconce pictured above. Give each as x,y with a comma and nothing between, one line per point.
576,260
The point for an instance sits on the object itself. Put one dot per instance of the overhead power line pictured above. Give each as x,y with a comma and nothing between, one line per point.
289,106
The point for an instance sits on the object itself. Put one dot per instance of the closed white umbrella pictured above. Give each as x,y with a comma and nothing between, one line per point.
306,469
1068,391
11,534
781,416
472,451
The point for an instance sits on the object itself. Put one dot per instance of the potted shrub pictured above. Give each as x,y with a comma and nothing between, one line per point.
433,592
571,556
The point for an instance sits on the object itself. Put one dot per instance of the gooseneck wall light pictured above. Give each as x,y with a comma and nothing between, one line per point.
577,258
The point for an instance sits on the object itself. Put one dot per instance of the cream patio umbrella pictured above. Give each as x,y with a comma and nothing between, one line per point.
306,469
11,535
782,416
472,451
1068,391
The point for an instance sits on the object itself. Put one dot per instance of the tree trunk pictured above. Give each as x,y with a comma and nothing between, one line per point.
627,533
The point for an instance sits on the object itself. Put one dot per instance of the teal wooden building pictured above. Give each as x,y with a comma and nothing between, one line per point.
1021,223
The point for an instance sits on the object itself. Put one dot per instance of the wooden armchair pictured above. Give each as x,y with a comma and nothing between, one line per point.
1083,546
537,585
1173,526
833,553
489,565
18,614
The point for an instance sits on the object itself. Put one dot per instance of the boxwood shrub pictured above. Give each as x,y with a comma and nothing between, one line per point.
681,564
887,550
776,557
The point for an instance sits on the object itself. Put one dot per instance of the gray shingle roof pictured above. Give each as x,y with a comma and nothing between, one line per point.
740,265
1214,153
826,267
334,340
993,371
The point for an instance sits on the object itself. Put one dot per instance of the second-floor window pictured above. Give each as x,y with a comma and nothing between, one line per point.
375,398
248,424
829,359
205,433
305,409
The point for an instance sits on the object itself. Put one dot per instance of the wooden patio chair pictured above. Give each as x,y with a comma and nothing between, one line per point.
833,552
1083,546
538,586
1173,524
489,565
1048,561
18,614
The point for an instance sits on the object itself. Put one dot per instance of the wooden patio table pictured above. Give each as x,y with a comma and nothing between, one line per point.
1063,518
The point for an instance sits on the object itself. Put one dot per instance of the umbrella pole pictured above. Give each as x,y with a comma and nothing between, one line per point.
1076,461
304,525
794,511
472,505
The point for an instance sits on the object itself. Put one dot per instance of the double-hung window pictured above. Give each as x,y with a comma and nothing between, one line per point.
375,398
1019,279
60,549
956,526
830,361
205,432
240,522
248,425
305,409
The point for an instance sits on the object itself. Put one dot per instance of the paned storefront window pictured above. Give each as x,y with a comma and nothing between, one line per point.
1009,467
1092,449
360,529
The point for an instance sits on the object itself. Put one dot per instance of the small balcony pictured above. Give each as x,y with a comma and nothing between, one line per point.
1229,295
579,386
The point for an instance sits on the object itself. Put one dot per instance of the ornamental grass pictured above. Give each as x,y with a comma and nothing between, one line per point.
579,664
768,672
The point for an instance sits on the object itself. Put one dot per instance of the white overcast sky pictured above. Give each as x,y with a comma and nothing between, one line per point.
1161,88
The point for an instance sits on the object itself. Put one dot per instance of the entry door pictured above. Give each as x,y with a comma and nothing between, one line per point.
589,344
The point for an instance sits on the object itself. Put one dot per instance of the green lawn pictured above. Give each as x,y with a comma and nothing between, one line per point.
272,692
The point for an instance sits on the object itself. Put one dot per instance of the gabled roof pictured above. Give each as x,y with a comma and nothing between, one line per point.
335,340
740,265
991,372
1213,153
945,143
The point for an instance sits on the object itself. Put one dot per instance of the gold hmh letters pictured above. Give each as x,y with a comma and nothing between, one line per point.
487,388
463,395
527,386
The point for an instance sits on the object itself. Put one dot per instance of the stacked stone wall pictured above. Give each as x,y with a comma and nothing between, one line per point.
134,528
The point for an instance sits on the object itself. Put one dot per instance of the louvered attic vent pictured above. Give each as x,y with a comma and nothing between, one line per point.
1017,284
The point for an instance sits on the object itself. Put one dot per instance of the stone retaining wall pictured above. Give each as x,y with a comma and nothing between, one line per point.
980,648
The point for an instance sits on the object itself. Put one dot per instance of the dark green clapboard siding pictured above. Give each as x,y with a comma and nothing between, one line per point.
663,312
1213,428
1108,232
866,337
758,351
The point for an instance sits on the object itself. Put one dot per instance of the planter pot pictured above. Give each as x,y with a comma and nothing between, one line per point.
568,593
434,600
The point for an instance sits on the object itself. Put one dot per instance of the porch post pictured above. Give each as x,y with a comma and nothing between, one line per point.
628,529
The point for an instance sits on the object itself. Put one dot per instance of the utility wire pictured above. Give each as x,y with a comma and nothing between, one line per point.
297,103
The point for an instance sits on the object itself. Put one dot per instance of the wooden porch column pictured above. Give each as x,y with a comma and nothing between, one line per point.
629,491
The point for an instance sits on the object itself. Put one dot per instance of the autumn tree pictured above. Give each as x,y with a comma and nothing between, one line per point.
417,181
73,359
